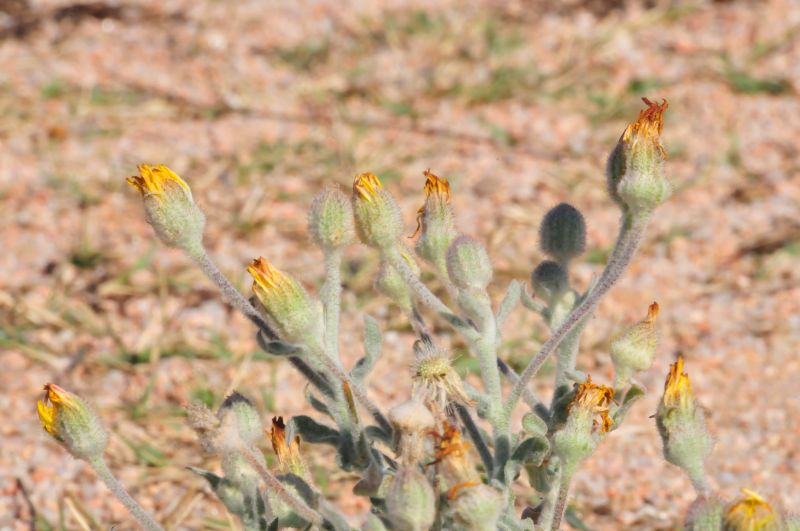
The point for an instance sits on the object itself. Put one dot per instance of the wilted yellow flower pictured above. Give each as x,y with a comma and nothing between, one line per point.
290,309
677,390
437,189
67,418
170,208
155,180
453,458
288,453
595,400
750,513
647,127
366,185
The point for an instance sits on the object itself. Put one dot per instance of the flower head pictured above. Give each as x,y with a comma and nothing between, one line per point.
436,382
70,421
330,219
377,215
435,222
635,170
453,458
594,400
169,207
750,513
635,348
288,453
677,389
294,314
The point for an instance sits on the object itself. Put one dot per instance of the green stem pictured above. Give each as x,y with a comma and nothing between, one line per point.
300,507
145,520
631,235
561,501
332,300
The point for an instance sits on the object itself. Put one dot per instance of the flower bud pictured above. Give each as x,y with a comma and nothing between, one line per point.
563,233
378,220
549,280
288,452
468,265
478,508
751,513
70,420
634,349
588,418
330,219
412,421
390,283
682,426
436,382
293,314
635,169
435,222
239,414
170,208
705,514
410,502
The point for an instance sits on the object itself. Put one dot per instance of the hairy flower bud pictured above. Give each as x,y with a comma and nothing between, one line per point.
288,452
588,419
410,502
751,513
636,179
682,425
478,508
72,422
468,265
435,222
170,208
635,349
549,281
563,233
330,219
390,283
378,220
293,314
243,416
412,421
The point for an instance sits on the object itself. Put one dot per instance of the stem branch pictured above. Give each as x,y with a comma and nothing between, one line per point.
104,473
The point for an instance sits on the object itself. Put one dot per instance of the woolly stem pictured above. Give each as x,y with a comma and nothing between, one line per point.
104,473
331,295
631,234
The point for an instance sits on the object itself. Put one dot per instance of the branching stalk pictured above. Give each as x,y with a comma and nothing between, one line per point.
145,520
631,235
273,484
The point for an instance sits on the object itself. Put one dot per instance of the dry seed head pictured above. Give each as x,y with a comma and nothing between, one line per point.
436,382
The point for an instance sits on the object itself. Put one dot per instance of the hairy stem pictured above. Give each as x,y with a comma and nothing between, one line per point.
409,277
528,397
561,500
567,356
273,484
103,472
631,235
332,300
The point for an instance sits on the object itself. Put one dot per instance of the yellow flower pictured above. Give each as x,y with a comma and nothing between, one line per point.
154,180
267,280
69,420
677,390
436,187
366,185
594,399
750,513
647,127
288,453
452,456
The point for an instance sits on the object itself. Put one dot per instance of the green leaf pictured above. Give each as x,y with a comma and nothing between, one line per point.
316,403
277,348
312,431
531,451
572,518
510,300
635,392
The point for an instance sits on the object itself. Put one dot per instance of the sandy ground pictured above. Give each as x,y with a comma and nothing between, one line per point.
257,104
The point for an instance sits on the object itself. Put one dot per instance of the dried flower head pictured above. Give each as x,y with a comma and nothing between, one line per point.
288,452
750,513
435,223
677,389
595,400
455,463
70,421
169,207
436,382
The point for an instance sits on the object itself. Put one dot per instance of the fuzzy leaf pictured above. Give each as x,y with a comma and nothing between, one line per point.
509,301
212,478
302,488
316,403
372,349
635,392
376,432
531,451
370,482
311,431
276,348
533,424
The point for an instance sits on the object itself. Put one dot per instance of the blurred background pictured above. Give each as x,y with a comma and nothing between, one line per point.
257,104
